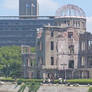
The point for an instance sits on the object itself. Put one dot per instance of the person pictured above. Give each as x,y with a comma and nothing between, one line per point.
49,80
60,80
44,80
64,81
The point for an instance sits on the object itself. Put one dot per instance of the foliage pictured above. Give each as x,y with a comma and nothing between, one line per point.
9,79
32,86
33,50
90,89
80,81
19,81
72,81
10,61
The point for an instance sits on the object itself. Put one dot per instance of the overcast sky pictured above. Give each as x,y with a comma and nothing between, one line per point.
47,7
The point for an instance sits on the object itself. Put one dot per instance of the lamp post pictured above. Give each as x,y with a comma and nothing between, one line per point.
73,71
64,70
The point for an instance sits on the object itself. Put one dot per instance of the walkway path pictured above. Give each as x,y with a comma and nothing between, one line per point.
59,88
45,88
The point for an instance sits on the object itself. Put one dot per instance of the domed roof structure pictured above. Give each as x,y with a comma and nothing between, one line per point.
70,10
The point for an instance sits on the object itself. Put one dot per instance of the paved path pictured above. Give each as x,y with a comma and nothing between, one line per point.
9,87
59,88
45,88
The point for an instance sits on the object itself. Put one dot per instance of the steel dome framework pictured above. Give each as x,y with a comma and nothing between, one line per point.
70,10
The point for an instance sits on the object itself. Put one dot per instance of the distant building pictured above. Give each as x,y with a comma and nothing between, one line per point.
28,8
21,31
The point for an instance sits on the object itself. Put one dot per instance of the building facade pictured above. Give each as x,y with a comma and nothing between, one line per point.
59,48
21,31
28,8
85,58
29,61
63,47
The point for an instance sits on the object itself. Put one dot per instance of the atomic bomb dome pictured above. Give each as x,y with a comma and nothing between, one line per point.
70,10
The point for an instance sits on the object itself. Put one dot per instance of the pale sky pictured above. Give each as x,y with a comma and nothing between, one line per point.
48,7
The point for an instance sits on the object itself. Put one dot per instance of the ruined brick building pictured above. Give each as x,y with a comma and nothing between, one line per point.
64,49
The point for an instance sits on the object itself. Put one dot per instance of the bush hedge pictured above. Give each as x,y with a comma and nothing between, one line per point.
80,81
31,80
7,79
19,81
72,81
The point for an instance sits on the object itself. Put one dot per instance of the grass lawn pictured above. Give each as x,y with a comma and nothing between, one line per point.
81,81
90,89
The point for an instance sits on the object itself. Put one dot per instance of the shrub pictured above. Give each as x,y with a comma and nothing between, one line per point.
32,87
80,81
19,81
7,80
56,81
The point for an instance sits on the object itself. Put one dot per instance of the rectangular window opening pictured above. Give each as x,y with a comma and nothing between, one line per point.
52,34
70,34
71,64
52,60
71,49
52,45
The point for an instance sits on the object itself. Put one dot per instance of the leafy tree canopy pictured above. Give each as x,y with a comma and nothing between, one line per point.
10,61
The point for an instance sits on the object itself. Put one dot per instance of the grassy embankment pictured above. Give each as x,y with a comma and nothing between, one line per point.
90,89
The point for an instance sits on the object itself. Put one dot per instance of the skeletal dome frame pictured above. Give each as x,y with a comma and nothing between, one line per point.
70,10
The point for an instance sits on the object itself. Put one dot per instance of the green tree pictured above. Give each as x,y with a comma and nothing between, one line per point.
10,61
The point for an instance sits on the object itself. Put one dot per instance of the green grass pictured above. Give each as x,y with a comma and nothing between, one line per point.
72,81
32,86
30,80
90,89
10,79
80,81
19,81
